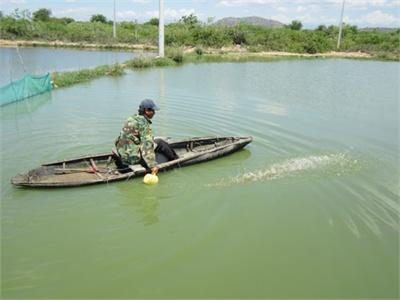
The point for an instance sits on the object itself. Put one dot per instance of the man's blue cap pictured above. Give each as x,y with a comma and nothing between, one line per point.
149,104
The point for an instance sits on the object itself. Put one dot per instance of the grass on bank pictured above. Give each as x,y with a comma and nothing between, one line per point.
174,57
65,79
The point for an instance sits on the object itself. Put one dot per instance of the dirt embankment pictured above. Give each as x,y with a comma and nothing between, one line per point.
237,50
20,43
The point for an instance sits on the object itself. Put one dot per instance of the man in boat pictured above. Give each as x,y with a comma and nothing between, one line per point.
135,144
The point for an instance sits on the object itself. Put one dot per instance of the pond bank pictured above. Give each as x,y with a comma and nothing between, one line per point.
233,50
62,44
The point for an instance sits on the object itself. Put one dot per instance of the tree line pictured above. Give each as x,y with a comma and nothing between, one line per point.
189,31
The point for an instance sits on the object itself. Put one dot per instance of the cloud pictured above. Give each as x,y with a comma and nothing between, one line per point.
245,2
301,9
352,3
141,1
15,1
305,18
72,11
282,9
394,3
126,14
71,1
282,18
363,4
378,18
172,13
349,3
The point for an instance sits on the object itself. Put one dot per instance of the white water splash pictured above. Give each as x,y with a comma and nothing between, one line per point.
287,168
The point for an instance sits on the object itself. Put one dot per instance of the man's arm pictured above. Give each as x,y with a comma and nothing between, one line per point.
147,148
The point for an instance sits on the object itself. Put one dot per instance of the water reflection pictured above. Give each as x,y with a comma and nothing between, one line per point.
322,202
25,106
162,103
16,110
143,202
14,64
272,108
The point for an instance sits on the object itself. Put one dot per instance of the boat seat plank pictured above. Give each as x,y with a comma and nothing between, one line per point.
137,168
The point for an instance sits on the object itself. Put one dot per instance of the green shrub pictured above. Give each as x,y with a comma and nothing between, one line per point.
11,28
199,51
178,35
140,62
69,78
115,70
42,14
238,35
164,62
210,36
176,54
315,42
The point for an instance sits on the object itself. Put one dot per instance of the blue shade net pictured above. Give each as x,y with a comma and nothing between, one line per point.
26,87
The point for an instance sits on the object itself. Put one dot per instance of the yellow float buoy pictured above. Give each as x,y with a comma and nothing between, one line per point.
150,179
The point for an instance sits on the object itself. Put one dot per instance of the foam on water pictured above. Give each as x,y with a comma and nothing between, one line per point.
289,167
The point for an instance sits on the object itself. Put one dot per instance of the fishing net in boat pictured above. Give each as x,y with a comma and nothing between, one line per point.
29,86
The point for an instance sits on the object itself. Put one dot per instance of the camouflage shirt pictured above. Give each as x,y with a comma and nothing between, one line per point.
136,141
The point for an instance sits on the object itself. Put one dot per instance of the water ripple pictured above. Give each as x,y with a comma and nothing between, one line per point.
288,168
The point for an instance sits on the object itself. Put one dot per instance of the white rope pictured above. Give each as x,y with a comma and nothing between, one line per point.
20,59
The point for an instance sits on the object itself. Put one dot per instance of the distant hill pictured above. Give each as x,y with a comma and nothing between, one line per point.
230,22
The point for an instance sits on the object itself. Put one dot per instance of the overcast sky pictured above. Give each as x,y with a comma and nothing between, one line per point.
363,13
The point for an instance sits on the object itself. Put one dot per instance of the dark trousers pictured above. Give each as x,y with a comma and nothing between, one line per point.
164,148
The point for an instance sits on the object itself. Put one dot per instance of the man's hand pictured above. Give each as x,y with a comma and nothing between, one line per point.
154,170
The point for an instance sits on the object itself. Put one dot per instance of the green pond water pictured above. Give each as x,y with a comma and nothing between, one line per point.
310,209
14,63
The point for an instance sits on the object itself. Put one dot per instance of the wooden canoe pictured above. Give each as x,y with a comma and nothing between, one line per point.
101,168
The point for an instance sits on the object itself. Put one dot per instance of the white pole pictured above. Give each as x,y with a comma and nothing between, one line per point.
340,26
161,30
114,25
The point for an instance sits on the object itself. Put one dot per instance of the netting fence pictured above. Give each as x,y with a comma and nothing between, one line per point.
26,87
